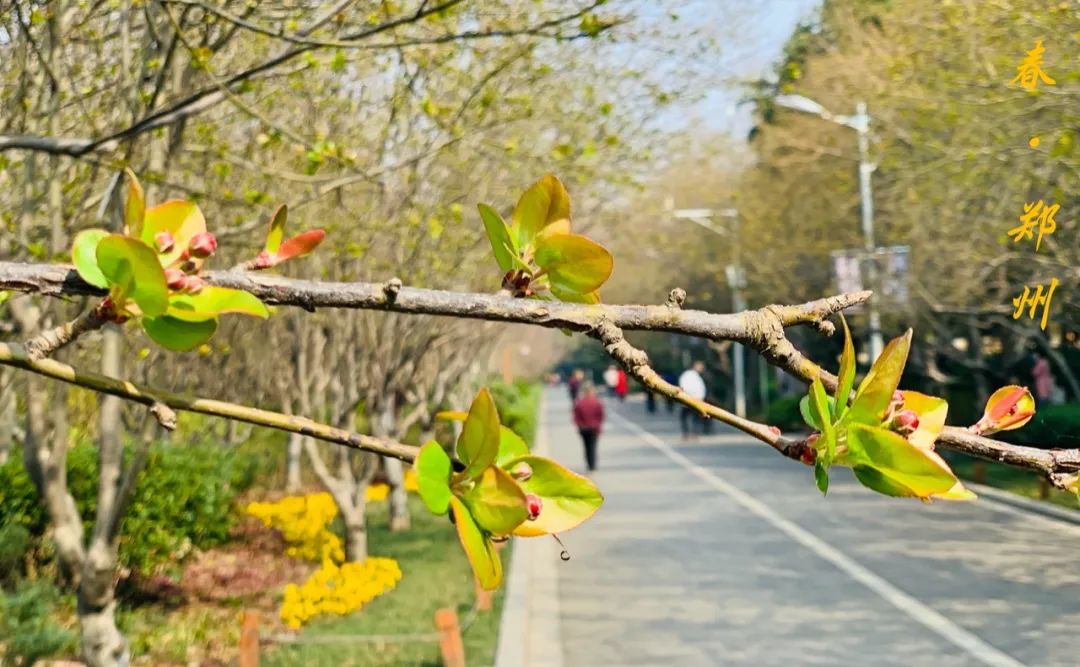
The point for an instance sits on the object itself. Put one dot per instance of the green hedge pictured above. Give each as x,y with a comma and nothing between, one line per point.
182,500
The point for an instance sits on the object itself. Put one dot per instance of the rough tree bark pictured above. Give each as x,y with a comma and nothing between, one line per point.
102,642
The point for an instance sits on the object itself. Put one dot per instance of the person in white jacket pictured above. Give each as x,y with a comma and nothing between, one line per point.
693,384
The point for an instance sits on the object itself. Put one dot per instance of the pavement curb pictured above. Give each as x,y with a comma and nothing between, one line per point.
1044,509
530,629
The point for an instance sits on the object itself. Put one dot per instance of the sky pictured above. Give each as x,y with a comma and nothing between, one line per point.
752,34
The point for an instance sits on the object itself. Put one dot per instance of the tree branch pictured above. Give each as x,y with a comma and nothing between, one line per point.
761,329
14,355
750,327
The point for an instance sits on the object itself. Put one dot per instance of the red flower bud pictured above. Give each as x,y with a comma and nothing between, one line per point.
202,245
193,284
164,242
905,422
534,505
263,260
521,472
175,278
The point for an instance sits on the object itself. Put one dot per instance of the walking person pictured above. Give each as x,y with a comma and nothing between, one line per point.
622,385
589,419
693,385
573,383
611,378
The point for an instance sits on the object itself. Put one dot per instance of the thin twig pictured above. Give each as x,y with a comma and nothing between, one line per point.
15,355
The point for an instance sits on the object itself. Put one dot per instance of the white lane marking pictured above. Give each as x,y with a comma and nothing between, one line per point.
970,643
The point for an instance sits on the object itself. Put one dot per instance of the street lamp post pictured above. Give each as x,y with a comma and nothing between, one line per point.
860,122
736,279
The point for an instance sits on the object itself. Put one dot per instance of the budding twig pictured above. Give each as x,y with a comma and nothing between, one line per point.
636,363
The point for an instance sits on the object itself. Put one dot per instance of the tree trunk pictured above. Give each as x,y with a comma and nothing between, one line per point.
355,534
7,414
395,471
399,498
102,643
292,462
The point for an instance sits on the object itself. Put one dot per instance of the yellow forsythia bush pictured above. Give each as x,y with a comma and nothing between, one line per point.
302,521
333,588
338,589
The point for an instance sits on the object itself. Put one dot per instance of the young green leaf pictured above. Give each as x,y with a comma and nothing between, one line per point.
821,476
433,470
478,547
568,498
496,501
575,297
819,408
545,202
876,390
901,464
502,243
478,444
511,445
300,245
573,263
847,372
277,229
133,267
134,206
808,414
84,256
182,219
176,334
211,302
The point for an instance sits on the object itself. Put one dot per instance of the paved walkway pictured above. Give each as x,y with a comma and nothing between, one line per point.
722,553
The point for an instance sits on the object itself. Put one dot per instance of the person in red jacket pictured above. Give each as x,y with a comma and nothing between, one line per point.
589,419
622,385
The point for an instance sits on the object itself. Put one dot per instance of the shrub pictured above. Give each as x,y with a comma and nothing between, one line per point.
182,499
26,624
784,414
15,542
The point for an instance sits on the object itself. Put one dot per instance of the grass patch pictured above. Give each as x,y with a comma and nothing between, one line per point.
435,574
1007,478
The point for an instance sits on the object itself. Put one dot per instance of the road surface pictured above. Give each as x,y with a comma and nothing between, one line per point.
723,553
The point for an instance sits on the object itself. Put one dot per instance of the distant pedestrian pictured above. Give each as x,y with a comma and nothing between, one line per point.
573,383
622,385
650,402
693,385
589,419
611,378
1043,379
